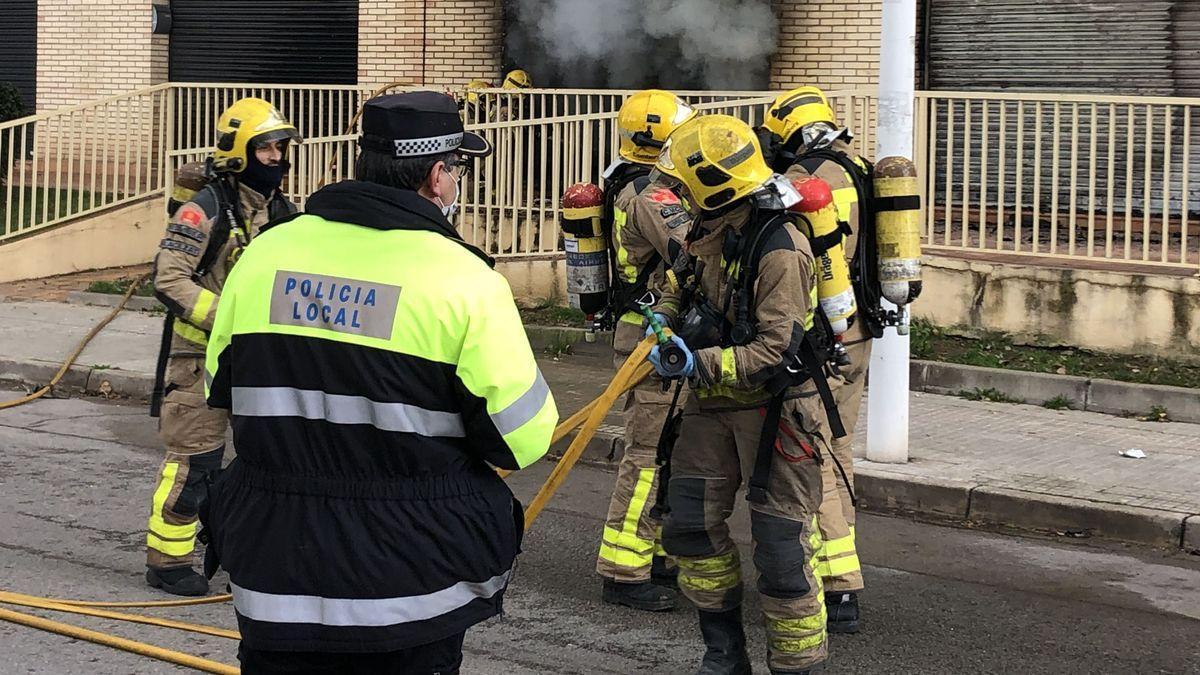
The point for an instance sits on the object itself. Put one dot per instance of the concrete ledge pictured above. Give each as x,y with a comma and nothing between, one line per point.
1191,534
879,490
111,300
1029,510
120,383
37,374
542,337
951,378
1118,398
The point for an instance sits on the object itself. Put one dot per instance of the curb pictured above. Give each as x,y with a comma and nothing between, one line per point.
78,379
883,491
1093,395
137,303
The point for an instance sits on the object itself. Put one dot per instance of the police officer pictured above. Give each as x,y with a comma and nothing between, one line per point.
647,224
376,369
802,139
204,238
743,319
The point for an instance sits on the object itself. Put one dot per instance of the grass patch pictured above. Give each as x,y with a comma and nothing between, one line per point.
995,350
41,205
562,345
1058,403
546,313
1157,414
991,395
119,286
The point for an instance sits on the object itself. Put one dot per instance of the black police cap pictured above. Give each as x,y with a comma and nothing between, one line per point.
417,123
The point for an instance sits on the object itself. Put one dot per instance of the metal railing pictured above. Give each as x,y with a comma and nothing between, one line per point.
1064,176
82,159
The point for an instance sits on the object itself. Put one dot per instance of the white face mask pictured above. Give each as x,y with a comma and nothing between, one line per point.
450,210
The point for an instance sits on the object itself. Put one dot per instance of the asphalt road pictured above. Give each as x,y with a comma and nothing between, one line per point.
75,480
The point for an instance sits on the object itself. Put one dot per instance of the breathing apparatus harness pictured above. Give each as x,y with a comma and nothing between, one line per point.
230,220
706,325
623,296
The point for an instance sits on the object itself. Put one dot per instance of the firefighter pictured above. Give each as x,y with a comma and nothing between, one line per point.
203,240
646,224
514,81
471,103
376,369
745,319
802,138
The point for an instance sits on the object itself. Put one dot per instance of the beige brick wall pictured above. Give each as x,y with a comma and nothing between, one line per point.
462,40
834,45
90,49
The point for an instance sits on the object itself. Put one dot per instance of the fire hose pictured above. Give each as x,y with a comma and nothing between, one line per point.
587,420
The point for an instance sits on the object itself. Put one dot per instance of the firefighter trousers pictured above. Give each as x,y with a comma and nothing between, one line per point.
713,458
632,534
195,438
837,560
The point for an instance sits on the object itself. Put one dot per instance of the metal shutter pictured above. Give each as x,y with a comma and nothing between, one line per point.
18,49
1107,46
265,41
1186,27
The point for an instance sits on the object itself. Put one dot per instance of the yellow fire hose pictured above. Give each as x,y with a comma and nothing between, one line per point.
589,418
133,646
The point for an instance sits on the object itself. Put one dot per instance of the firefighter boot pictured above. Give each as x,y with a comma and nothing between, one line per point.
842,610
177,580
663,574
644,595
725,643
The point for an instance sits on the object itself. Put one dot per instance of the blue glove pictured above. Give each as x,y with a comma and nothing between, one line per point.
667,371
663,321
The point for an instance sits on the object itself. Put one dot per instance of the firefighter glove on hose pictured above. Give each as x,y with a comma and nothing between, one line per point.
673,360
662,321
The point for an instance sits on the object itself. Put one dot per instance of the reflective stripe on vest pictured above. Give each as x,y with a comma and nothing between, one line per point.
278,608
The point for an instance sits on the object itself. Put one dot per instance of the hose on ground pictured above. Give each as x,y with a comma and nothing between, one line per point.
133,646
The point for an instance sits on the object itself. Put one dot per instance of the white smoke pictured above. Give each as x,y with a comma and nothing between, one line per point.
712,44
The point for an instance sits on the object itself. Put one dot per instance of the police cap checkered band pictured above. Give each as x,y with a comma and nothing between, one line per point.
415,124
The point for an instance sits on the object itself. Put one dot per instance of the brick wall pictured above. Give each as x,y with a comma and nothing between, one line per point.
90,49
834,45
462,39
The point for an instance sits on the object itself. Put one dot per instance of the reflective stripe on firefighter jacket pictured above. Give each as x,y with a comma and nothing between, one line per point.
375,365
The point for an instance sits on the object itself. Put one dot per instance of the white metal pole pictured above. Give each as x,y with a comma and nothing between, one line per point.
887,399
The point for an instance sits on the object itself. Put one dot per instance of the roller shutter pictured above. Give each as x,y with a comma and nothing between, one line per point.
18,49
1105,46
265,41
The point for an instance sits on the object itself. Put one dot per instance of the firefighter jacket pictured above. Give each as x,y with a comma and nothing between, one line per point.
192,297
732,377
649,227
376,369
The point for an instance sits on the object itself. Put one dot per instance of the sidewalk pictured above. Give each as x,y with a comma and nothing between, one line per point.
997,464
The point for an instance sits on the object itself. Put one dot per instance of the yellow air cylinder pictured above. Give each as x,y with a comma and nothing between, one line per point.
834,291
898,229
586,248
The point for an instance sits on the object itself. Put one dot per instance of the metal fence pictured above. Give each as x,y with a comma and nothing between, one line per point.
1065,177
1070,177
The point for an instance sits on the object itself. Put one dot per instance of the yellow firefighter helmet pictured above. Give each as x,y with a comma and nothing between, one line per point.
470,93
717,158
248,122
517,79
797,109
646,119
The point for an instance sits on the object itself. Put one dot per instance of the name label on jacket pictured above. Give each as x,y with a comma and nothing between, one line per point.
333,303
